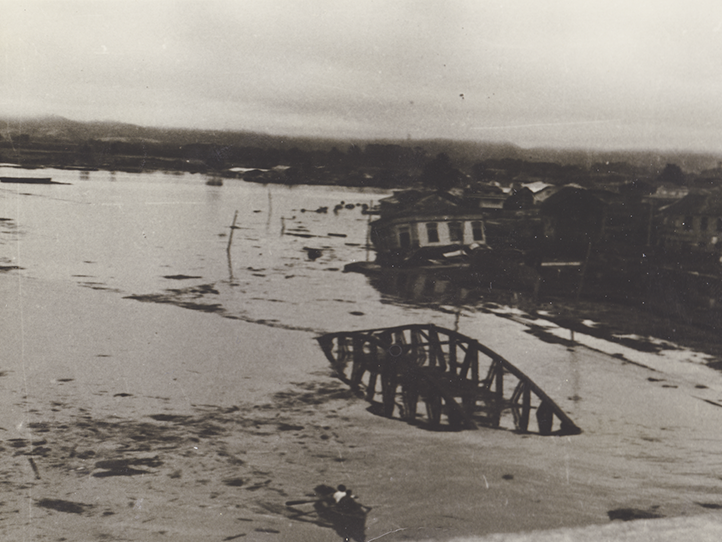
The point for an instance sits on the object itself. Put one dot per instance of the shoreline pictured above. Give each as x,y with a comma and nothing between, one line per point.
631,326
696,328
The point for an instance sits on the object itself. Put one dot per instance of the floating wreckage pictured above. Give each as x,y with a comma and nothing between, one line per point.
448,371
29,180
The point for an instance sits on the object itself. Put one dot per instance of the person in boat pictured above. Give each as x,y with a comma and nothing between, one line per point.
342,499
340,493
348,503
339,508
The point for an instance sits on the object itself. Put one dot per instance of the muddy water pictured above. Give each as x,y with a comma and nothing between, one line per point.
164,238
121,251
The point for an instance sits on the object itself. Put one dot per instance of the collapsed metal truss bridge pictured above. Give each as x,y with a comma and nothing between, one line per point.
449,372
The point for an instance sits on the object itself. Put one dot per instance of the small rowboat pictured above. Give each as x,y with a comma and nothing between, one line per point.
332,511
347,516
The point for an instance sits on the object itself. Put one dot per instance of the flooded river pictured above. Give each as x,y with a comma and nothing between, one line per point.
158,234
164,240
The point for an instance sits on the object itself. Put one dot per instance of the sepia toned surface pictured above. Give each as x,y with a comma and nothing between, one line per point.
153,388
182,188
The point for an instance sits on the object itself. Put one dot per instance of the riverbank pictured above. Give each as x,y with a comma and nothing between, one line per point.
642,329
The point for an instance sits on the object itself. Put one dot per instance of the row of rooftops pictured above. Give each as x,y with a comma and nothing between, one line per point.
460,201
667,200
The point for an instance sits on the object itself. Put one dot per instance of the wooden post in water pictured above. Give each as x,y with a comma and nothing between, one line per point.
584,272
581,280
270,209
368,231
230,236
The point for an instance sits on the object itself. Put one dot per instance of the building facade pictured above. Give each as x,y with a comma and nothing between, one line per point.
692,224
432,221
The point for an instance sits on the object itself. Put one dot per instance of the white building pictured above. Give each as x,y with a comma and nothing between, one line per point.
433,220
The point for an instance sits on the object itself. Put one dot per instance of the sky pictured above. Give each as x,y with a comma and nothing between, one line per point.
631,74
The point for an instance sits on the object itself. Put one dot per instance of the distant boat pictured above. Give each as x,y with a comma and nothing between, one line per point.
29,180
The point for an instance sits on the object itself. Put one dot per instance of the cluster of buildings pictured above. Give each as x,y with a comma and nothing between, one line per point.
552,222
693,224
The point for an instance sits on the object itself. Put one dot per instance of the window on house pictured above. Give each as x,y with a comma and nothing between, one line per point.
477,231
687,223
404,237
429,286
703,223
456,232
432,232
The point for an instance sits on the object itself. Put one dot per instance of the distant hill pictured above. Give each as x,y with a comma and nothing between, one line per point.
59,128
462,153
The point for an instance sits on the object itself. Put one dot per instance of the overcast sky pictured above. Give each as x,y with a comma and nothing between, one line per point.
561,73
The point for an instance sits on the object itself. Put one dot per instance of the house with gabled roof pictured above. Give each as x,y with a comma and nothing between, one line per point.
436,220
693,223
572,217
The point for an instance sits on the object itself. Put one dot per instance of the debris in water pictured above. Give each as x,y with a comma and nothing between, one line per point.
313,253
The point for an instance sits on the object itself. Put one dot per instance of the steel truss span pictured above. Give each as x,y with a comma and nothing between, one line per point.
450,373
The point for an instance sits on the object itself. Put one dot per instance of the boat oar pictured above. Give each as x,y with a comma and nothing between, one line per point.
302,501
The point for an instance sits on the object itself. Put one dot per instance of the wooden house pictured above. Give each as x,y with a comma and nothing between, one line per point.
435,220
572,217
693,223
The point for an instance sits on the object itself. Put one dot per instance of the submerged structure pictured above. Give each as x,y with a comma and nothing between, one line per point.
455,237
447,371
416,226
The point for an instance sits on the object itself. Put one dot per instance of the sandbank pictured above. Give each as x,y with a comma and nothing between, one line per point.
124,420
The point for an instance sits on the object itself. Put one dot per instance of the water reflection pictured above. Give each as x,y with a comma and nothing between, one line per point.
448,287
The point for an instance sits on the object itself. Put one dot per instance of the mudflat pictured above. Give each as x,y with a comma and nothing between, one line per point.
140,421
